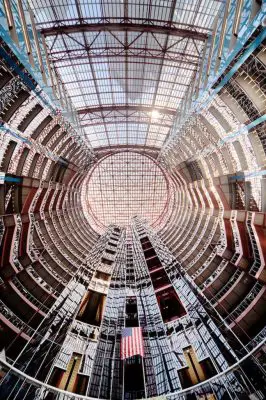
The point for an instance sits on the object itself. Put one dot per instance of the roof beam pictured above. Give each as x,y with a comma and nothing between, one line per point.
175,58
79,61
125,27
92,110
167,124
135,147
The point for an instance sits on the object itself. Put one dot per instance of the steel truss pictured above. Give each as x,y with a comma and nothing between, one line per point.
127,57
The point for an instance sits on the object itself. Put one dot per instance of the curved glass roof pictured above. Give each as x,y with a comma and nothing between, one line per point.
126,64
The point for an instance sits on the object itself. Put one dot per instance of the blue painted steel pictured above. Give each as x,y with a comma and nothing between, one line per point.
228,32
21,52
15,135
259,39
246,29
43,91
207,94
243,177
13,179
231,137
244,130
216,41
25,140
24,77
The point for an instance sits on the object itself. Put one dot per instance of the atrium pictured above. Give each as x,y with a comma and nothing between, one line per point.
132,199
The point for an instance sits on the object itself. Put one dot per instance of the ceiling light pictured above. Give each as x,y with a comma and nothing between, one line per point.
155,114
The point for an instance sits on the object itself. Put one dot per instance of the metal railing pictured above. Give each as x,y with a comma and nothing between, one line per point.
227,286
232,383
28,295
15,320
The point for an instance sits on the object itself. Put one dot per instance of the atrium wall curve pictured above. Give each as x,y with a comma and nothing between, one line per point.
132,200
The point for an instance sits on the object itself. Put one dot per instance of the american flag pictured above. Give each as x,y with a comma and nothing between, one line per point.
132,342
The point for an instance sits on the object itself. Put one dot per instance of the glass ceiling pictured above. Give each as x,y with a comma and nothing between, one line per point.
122,186
126,64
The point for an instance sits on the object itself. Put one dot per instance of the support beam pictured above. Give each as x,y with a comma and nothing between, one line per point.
146,109
114,52
124,27
126,121
136,148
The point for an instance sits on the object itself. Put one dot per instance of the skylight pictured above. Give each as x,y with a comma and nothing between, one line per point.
122,186
126,65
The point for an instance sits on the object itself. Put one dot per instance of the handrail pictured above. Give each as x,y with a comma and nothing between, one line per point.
74,396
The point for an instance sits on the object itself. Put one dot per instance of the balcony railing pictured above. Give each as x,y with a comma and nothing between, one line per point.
232,383
243,306
29,296
16,321
256,254
226,287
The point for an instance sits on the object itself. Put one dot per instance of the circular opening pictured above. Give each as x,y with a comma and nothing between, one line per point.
122,186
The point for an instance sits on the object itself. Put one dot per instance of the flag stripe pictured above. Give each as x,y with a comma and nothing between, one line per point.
131,342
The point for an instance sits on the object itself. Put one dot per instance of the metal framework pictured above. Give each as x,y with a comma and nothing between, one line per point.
133,183
106,26
161,119
204,297
126,66
91,110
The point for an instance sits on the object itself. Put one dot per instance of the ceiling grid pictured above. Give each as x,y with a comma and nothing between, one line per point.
126,64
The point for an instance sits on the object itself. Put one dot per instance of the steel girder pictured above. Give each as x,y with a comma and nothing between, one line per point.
168,29
146,109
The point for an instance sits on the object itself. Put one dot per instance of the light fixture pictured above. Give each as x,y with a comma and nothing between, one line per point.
155,114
